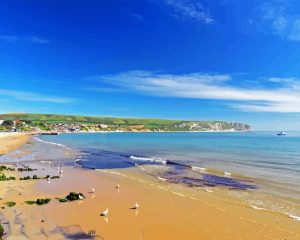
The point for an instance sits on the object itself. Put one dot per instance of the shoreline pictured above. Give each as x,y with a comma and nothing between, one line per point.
167,211
209,131
227,179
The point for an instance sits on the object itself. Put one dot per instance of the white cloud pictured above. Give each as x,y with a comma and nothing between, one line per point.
295,31
274,14
284,97
292,107
275,18
136,17
192,10
279,24
9,38
30,39
30,96
39,40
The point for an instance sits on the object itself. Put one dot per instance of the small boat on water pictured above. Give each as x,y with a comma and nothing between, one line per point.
281,134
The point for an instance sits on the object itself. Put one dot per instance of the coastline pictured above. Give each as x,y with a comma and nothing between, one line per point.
167,211
141,131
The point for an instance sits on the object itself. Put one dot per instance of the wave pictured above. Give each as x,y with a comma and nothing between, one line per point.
79,160
297,218
161,179
44,161
76,163
184,165
178,194
53,143
201,169
145,159
258,208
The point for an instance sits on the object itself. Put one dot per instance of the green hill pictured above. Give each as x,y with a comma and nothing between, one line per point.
171,125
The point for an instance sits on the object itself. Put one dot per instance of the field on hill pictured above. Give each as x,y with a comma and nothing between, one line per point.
171,125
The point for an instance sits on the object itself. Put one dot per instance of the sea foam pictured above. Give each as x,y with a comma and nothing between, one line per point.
53,143
152,159
297,218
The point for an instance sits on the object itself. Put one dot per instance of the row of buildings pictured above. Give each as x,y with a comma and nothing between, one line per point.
40,127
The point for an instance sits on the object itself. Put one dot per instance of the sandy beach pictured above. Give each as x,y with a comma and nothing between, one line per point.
167,211
12,141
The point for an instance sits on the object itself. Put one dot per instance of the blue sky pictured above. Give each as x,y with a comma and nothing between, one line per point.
175,59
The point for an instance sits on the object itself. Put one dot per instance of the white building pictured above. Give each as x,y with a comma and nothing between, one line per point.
103,126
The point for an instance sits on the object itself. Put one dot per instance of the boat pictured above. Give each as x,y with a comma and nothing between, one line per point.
281,134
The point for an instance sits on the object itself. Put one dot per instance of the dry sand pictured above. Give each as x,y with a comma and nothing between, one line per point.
12,141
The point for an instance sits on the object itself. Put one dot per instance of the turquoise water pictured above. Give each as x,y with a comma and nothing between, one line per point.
273,160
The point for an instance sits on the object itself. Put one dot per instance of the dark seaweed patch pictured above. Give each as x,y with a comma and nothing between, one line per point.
103,159
227,182
175,171
208,180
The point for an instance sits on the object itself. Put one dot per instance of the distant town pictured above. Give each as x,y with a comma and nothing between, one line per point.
39,127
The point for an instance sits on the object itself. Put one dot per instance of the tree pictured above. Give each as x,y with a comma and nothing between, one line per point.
8,123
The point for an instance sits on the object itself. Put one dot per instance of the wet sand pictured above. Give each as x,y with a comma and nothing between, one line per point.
167,211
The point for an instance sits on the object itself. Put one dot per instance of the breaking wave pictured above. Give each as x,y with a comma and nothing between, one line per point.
151,159
52,143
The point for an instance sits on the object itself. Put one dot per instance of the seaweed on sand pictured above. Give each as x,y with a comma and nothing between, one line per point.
1,232
10,204
39,201
74,196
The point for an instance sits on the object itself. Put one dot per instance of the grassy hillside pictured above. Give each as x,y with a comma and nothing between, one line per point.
123,122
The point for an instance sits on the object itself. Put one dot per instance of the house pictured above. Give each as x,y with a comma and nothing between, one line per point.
103,126
1,121
137,127
19,122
